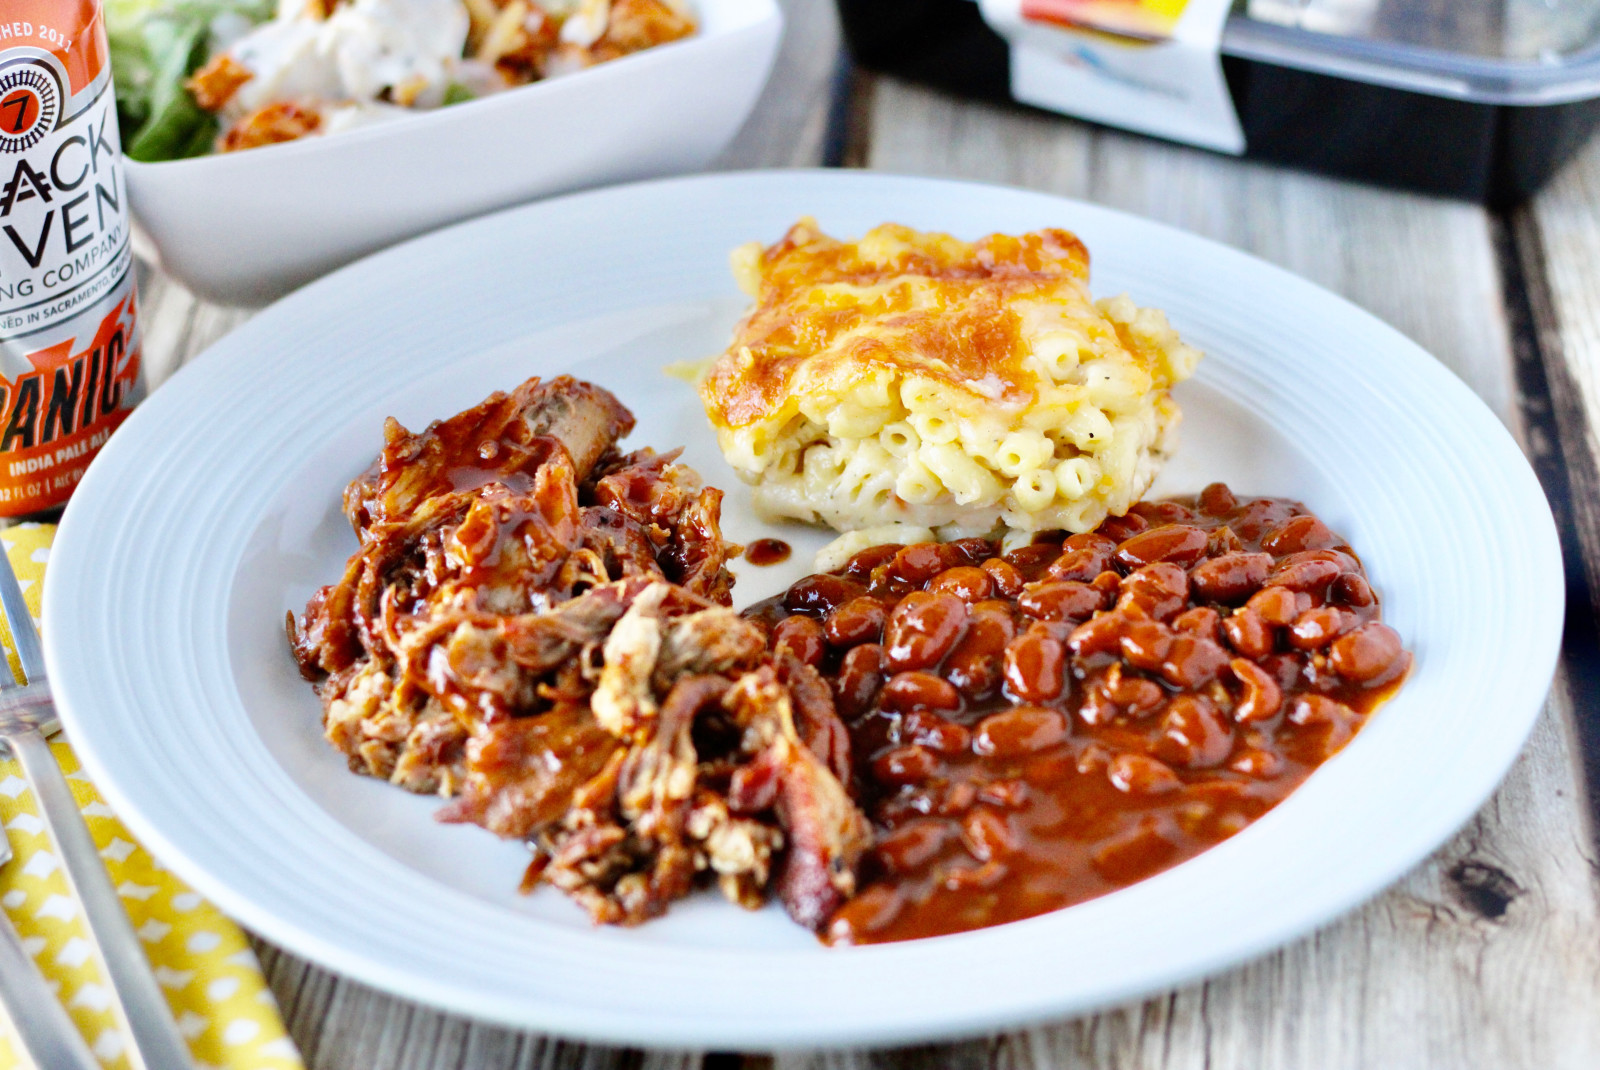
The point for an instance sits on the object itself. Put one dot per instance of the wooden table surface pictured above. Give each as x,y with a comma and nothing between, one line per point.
1488,954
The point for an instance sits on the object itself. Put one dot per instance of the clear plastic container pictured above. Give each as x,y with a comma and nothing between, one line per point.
1481,99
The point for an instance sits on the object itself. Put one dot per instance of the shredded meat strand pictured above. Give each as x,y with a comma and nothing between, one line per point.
537,627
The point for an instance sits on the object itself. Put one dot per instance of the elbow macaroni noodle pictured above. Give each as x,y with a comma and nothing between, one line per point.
911,381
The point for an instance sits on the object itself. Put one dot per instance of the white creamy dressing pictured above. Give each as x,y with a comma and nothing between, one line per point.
352,57
586,23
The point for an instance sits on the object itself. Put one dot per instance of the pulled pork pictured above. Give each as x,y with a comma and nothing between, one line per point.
537,627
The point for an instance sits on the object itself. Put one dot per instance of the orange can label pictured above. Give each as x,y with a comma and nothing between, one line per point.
69,334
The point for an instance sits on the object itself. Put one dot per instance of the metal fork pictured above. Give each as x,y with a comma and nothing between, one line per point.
27,716
48,1036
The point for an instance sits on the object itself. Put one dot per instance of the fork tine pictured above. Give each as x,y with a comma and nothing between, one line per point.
20,621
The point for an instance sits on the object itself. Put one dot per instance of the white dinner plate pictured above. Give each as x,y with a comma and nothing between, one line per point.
216,509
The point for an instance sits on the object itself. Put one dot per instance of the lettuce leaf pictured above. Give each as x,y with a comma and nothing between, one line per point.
155,46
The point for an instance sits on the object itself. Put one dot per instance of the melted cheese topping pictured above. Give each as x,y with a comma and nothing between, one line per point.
919,379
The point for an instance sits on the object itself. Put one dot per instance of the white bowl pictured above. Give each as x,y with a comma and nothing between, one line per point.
247,227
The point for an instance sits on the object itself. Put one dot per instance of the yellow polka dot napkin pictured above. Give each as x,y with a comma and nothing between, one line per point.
211,977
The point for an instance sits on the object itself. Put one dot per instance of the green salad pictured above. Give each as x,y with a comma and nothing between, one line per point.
155,46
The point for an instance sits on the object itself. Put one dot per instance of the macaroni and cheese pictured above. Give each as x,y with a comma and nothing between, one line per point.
914,379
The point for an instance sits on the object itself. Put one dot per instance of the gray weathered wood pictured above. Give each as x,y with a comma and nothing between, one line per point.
1561,232
791,122
1485,955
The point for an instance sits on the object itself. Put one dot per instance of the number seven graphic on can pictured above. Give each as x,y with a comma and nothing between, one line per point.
29,102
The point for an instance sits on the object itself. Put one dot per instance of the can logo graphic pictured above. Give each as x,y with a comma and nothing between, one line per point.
30,104
69,334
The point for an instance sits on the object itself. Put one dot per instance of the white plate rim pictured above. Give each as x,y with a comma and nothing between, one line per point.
82,690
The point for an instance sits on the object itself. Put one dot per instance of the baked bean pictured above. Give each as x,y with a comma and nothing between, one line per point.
1059,600
1095,758
1158,590
1013,733
1201,621
918,563
800,636
1163,512
1231,578
1368,654
958,798
1345,562
1029,560
1248,633
819,594
1194,734
1096,708
1109,584
1035,667
976,664
1059,630
1178,543
1145,643
1082,564
859,620
1007,794
1353,591
874,909
1217,500
1261,698
966,582
966,552
1121,528
918,691
1260,516
1192,663
1133,694
1316,628
860,677
1277,606
866,562
1305,575
975,878
1322,711
1005,577
1261,764
986,835
1301,533
1139,774
913,845
911,764
1319,709
1091,540
922,629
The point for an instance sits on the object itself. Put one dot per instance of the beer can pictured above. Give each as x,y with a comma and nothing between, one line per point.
70,369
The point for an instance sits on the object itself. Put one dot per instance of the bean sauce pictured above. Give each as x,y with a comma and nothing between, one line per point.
1037,728
767,552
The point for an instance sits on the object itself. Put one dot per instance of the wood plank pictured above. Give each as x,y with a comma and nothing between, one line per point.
1559,237
1482,957
1552,243
793,121
344,1025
